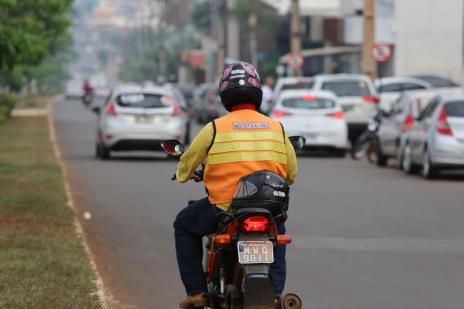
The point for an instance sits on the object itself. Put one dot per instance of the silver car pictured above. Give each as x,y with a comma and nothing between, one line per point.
436,140
139,118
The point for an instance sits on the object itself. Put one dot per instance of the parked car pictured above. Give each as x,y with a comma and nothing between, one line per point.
316,115
139,118
207,106
288,83
357,96
436,140
397,121
390,88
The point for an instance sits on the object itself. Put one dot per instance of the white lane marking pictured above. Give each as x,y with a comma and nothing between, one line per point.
419,245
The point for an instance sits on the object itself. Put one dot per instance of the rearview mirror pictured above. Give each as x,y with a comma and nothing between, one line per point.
173,147
96,110
298,142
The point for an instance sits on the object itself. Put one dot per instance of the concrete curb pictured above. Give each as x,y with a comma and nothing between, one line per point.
102,293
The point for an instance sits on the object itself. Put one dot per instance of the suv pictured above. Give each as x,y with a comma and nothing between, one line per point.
357,97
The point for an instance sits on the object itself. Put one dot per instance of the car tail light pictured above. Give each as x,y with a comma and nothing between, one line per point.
110,110
443,126
177,111
280,114
370,100
255,224
408,123
337,115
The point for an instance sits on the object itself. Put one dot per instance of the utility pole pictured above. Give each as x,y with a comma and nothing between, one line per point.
221,54
252,21
162,52
295,33
368,64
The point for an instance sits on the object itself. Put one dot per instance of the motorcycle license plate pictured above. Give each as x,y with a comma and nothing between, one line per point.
255,252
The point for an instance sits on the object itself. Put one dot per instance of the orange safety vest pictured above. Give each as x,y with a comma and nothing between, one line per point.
244,142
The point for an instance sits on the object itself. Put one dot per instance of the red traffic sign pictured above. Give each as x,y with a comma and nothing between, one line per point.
295,61
381,52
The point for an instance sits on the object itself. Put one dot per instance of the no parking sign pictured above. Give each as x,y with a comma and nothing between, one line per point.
381,52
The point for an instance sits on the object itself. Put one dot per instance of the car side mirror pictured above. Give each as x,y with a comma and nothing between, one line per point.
96,110
173,147
298,142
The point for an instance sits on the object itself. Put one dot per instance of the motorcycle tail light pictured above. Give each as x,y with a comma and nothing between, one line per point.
222,239
443,126
110,110
255,224
370,99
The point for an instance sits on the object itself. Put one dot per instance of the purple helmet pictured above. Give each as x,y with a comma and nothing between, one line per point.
239,84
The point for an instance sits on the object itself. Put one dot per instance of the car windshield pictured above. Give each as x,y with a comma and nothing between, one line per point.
308,103
142,100
299,85
455,109
347,88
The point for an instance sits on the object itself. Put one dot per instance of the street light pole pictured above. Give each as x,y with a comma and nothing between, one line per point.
295,33
368,64
221,8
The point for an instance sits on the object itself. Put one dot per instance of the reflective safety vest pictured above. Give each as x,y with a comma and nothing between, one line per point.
244,142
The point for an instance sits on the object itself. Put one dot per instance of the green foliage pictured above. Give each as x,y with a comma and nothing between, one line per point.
201,15
7,103
29,29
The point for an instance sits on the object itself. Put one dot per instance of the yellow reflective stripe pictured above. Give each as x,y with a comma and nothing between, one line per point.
247,156
249,136
248,146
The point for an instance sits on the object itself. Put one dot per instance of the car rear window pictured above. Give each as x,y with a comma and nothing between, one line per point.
455,109
347,88
437,81
308,103
142,100
300,85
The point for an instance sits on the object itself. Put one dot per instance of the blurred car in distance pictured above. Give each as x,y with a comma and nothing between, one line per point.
139,118
356,95
316,115
288,83
207,105
436,140
390,88
74,89
397,121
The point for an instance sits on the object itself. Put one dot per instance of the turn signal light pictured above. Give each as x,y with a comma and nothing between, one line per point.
283,239
255,224
222,239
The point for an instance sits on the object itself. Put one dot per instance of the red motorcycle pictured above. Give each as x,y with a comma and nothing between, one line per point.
241,252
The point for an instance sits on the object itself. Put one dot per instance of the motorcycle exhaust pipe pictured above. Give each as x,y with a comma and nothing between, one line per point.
290,301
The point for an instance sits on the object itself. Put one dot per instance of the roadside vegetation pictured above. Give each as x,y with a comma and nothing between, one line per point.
43,263
7,103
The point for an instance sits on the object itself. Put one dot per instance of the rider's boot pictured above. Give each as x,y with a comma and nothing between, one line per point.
197,300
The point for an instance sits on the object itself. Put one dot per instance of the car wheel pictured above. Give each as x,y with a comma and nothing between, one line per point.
187,134
104,152
406,160
97,150
428,170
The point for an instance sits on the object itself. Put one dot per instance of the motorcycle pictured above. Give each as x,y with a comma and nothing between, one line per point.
366,144
87,99
240,253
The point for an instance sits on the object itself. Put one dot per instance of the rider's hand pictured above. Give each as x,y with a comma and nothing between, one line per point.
195,177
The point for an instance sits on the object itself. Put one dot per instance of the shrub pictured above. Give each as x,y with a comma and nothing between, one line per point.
7,103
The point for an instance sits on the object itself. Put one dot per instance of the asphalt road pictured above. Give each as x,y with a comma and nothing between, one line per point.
364,237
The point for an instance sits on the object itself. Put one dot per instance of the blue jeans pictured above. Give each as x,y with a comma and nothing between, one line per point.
198,220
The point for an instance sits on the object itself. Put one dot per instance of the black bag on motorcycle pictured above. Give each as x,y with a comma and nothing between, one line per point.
265,190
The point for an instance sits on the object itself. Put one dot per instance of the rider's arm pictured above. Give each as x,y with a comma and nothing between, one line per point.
196,153
292,166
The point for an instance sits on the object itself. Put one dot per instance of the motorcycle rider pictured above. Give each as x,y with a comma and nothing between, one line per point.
233,146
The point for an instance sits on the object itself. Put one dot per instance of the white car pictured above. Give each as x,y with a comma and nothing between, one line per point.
288,83
139,118
316,115
391,88
357,97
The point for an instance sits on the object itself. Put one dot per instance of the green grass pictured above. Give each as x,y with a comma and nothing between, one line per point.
43,264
